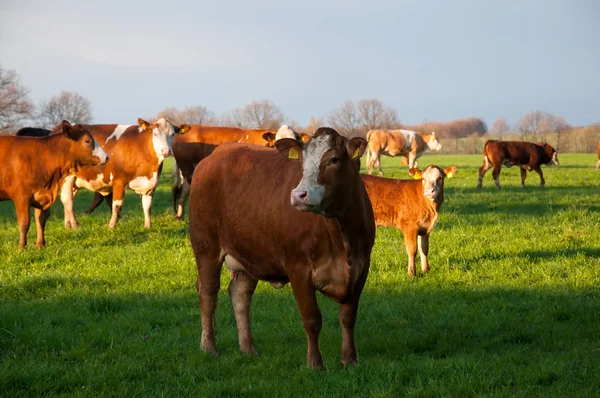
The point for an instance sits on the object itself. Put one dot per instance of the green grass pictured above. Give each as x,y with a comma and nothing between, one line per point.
511,306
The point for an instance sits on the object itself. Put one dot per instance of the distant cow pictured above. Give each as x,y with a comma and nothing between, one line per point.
201,141
526,155
398,143
136,155
33,132
411,206
33,169
598,164
308,222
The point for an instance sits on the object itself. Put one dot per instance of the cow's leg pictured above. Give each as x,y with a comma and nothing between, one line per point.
117,203
347,316
482,170
22,208
523,177
147,205
412,160
312,321
598,164
97,201
496,175
378,164
40,222
180,197
410,241
208,285
539,171
67,197
241,288
423,242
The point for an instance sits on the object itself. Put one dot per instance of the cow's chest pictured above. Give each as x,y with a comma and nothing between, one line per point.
98,184
144,185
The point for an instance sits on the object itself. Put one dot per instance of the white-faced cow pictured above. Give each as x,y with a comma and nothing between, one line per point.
398,143
33,169
527,155
300,214
136,156
411,206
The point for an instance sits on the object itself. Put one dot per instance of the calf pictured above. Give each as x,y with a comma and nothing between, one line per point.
307,221
410,206
136,156
526,155
398,143
201,141
33,170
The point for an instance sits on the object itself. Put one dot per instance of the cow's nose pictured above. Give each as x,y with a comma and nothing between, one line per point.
165,152
299,197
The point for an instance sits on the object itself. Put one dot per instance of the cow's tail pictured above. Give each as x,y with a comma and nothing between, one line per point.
176,187
486,159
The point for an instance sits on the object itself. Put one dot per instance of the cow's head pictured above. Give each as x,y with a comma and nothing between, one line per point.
328,169
162,135
432,142
551,152
284,131
432,179
83,147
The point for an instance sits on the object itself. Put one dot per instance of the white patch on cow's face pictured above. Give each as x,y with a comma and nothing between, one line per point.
433,180
98,151
144,185
311,162
119,130
286,132
434,144
162,138
554,160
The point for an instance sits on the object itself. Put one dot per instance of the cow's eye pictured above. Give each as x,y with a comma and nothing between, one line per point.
333,160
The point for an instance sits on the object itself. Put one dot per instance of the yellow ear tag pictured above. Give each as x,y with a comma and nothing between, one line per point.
449,175
143,126
417,175
293,153
355,154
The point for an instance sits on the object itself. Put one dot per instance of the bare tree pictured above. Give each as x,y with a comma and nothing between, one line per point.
67,105
500,127
234,118
263,114
529,125
345,119
15,105
313,124
190,115
375,115
171,113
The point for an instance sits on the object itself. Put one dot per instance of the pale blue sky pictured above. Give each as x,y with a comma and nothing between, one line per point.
430,60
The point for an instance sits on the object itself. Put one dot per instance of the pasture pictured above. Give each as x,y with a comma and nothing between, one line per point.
511,306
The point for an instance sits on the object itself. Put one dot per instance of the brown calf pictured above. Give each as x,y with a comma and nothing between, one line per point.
307,221
526,155
33,169
411,206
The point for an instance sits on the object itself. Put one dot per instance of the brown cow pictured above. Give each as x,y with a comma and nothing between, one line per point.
136,156
240,213
411,206
398,143
598,164
33,169
201,141
526,155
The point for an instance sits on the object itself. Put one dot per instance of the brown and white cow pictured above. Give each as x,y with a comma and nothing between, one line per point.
136,156
201,141
300,214
598,164
411,206
33,169
527,155
398,143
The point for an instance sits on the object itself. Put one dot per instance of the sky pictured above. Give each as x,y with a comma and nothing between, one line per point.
431,60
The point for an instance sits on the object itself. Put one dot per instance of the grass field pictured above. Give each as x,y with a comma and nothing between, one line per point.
511,306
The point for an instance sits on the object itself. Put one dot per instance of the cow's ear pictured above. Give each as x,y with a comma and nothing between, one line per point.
143,124
184,128
67,129
449,171
290,148
270,138
416,173
356,147
304,137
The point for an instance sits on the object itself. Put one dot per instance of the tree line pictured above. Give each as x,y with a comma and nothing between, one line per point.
350,118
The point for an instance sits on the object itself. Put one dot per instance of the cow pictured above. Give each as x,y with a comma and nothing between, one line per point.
136,156
201,141
526,155
33,169
598,164
33,132
306,220
411,206
398,143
